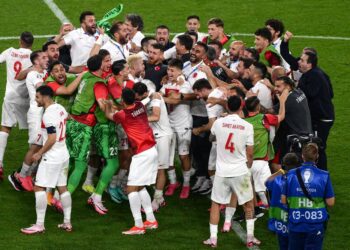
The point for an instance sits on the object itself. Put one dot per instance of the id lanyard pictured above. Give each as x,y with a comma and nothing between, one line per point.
194,70
121,51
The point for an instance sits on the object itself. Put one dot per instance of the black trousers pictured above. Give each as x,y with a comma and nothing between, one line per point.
322,129
200,147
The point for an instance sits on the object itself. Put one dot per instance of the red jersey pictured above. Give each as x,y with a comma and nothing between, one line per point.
115,89
135,124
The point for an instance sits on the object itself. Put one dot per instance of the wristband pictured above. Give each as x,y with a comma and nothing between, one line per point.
99,40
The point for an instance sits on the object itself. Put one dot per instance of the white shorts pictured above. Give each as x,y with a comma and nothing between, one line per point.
143,168
260,171
13,113
163,149
223,187
212,157
34,128
183,140
172,150
52,175
123,138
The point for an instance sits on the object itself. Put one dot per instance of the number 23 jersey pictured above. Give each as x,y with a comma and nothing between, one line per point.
55,116
233,134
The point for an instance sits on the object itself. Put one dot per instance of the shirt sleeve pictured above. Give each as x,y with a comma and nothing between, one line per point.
329,192
3,56
48,120
101,91
186,88
273,59
271,120
68,39
155,103
54,86
250,137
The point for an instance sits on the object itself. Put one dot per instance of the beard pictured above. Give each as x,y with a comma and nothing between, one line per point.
123,40
90,30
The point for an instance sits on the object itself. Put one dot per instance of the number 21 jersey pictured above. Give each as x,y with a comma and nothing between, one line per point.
55,116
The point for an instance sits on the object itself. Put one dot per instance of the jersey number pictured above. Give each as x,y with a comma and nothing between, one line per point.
229,144
62,130
17,67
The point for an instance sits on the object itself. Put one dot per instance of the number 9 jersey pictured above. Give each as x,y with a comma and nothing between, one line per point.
54,121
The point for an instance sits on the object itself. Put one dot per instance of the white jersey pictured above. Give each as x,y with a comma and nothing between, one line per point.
192,74
33,81
162,126
170,53
234,65
179,115
216,110
200,36
55,116
151,87
81,45
138,38
233,134
16,61
264,94
117,51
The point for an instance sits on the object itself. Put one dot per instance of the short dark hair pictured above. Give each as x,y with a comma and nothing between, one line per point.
290,161
140,88
186,41
217,21
287,81
201,84
252,103
192,33
211,53
47,44
254,53
27,38
103,53
136,21
118,66
84,14
203,45
176,63
162,26
94,63
310,152
265,33
311,58
276,24
261,68
52,65
128,96
158,46
216,42
247,62
45,90
234,103
239,91
115,27
146,39
34,55
311,50
193,17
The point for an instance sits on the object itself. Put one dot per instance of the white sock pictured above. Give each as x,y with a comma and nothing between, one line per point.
90,176
33,169
135,207
212,179
114,181
187,177
146,204
229,212
97,197
213,231
263,198
172,176
250,227
56,195
40,207
66,201
3,144
158,195
24,170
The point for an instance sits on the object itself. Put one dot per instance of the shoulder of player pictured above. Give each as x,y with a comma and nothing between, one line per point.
156,96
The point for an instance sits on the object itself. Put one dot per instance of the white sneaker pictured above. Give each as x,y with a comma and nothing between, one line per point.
206,187
198,184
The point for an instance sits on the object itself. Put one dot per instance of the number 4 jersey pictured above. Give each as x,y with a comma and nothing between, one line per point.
54,121
16,61
233,134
